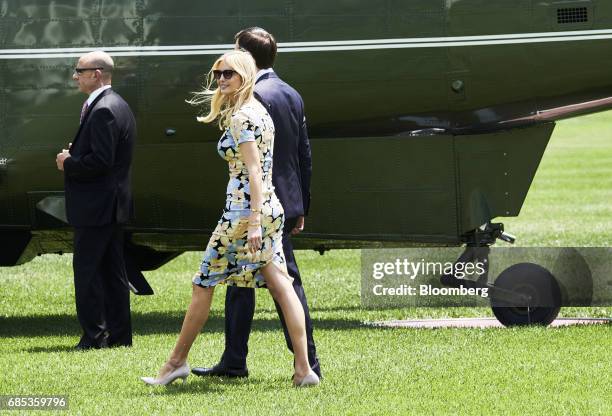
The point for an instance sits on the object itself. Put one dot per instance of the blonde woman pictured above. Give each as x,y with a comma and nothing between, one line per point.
246,246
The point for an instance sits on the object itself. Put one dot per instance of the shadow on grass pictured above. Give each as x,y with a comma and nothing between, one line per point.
55,348
67,348
143,324
201,385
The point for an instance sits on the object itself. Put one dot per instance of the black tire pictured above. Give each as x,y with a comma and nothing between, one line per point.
532,280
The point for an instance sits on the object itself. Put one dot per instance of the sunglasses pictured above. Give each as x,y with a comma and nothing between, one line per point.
81,70
227,74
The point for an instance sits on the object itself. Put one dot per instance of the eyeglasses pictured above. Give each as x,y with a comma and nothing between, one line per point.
79,71
227,73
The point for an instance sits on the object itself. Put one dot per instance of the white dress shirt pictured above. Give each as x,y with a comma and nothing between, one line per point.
95,94
263,72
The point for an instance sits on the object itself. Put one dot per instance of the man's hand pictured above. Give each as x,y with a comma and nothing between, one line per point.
299,226
61,157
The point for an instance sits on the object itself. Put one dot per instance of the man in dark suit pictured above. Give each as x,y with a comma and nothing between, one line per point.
97,173
291,177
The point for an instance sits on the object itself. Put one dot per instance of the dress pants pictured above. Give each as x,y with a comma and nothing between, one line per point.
240,308
101,286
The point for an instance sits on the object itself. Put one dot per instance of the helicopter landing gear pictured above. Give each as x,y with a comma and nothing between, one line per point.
523,294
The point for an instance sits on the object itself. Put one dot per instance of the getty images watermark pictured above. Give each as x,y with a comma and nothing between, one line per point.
482,276
412,277
392,275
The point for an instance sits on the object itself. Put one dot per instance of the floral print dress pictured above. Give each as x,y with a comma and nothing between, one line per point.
227,259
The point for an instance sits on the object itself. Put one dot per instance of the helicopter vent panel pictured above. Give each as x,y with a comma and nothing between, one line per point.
572,15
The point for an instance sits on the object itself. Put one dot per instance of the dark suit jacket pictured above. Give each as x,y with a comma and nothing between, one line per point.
97,176
292,167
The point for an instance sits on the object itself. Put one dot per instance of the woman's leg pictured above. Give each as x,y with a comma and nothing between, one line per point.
195,318
282,291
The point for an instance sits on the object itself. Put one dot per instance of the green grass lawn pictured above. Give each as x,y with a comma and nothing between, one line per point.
367,370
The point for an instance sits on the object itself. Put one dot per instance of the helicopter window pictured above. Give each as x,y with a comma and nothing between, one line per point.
572,15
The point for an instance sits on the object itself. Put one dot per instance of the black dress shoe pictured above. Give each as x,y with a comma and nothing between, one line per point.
85,347
220,371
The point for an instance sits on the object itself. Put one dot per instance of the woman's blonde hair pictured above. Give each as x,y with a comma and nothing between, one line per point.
221,106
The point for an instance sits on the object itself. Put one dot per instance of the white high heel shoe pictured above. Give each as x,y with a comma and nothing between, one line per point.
180,372
310,379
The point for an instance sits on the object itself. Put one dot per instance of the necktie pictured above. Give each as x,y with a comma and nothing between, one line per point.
84,110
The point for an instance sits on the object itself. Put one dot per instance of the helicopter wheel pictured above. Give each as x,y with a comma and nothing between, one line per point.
537,283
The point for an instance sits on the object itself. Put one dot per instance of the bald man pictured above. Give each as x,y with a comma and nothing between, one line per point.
97,171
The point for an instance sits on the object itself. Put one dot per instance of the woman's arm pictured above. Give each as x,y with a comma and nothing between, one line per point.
250,154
